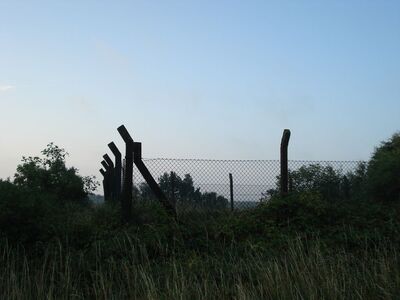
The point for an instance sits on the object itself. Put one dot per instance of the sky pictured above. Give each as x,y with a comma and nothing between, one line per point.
198,79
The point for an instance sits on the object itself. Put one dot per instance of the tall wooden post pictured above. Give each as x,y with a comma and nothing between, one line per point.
123,173
134,155
126,197
104,183
107,190
111,176
284,162
231,189
117,170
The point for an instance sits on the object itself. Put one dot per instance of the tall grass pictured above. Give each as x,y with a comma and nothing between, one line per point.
126,271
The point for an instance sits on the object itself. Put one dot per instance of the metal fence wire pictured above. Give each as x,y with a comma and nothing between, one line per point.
200,184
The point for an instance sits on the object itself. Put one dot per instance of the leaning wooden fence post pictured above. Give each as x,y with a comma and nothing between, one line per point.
150,180
111,176
126,197
123,173
107,192
117,170
284,162
104,182
231,189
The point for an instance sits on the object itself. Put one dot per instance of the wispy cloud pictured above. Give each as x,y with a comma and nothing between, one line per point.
81,104
5,88
111,53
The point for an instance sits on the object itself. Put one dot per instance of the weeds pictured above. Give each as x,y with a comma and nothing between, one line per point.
301,272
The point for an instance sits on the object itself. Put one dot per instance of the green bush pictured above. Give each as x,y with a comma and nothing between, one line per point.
329,183
357,182
383,173
26,216
47,200
50,175
299,208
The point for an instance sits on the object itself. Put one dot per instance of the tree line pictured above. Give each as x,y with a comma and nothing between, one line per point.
182,191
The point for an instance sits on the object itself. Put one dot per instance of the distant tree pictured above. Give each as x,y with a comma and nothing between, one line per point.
379,178
383,174
358,181
49,174
187,189
212,200
33,206
327,181
183,192
171,181
145,192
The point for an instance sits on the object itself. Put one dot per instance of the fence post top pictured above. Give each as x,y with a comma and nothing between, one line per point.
125,134
108,160
114,149
285,137
102,172
105,165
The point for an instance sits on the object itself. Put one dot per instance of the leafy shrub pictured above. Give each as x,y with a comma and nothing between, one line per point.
183,192
46,200
50,175
383,173
329,183
357,182
316,178
25,215
298,208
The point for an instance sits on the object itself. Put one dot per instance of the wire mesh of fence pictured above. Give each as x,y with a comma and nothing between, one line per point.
204,185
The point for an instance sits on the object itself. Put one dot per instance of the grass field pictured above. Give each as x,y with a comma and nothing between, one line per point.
129,271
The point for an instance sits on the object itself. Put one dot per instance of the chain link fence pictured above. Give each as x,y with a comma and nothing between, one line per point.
204,185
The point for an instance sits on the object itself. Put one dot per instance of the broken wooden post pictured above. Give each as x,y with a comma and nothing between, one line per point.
117,170
107,191
137,158
123,174
104,182
126,197
231,189
284,162
111,176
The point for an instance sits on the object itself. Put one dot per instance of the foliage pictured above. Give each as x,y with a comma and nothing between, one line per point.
124,268
330,183
183,192
357,182
384,170
24,214
326,180
50,175
45,200
29,216
288,247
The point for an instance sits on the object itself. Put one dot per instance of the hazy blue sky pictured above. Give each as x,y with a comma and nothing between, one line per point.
216,79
